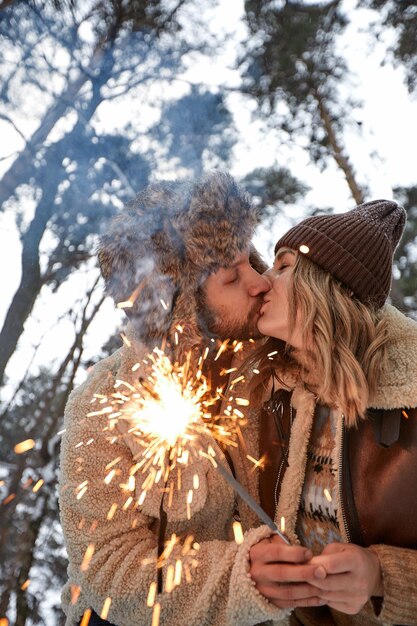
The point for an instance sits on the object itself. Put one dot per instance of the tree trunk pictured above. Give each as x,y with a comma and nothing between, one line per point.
27,556
48,453
58,411
6,592
8,510
23,166
31,281
338,153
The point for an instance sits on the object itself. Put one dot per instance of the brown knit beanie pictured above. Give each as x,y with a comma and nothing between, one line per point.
356,247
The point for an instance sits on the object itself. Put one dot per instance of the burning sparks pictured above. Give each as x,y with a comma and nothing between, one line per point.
9,498
112,511
257,463
86,617
24,446
106,608
75,593
87,558
168,413
38,485
236,380
156,613
127,304
125,340
151,595
327,495
110,477
82,489
238,532
177,560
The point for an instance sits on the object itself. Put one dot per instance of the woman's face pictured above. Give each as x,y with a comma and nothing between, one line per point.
274,316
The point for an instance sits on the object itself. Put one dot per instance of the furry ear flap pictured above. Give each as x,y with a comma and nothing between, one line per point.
144,270
169,251
118,265
185,316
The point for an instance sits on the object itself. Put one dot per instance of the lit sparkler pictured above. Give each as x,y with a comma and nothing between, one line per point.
169,410
169,414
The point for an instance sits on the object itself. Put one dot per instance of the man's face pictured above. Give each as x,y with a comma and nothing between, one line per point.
231,300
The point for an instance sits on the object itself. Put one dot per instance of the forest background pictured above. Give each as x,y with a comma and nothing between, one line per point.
311,105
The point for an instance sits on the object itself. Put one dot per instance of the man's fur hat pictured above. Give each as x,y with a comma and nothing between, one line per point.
161,247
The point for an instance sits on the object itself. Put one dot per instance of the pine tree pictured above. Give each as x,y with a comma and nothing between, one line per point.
293,70
401,16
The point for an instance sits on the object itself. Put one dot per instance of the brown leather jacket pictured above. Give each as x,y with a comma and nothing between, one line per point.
377,477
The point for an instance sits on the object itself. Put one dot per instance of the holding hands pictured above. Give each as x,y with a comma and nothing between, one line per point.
343,576
353,576
283,573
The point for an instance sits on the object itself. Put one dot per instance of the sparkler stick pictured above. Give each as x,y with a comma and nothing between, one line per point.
163,523
241,491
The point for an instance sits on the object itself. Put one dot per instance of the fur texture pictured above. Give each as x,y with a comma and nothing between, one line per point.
166,242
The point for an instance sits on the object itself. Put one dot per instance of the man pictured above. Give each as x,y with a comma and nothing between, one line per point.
179,261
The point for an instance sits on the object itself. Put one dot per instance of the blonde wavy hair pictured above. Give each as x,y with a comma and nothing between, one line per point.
346,342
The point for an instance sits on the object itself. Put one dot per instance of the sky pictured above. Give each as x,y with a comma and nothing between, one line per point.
381,146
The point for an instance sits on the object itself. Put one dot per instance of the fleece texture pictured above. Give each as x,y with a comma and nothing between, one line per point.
124,537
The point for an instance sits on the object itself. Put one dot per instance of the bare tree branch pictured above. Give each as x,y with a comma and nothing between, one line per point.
6,118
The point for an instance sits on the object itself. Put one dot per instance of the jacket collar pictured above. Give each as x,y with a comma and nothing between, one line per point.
397,386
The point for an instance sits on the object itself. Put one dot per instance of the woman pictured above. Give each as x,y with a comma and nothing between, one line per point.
338,382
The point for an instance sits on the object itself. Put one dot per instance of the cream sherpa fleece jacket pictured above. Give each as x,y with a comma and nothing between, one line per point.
123,563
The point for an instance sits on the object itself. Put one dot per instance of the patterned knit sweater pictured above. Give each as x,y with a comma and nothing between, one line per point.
317,523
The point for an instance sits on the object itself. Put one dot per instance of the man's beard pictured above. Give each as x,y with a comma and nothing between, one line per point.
213,324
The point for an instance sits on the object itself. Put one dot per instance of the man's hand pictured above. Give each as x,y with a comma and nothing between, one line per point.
353,576
281,573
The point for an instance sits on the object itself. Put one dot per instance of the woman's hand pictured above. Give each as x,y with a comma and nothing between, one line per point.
353,575
281,572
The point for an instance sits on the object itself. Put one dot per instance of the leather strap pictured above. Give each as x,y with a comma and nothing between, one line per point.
387,425
390,427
